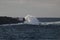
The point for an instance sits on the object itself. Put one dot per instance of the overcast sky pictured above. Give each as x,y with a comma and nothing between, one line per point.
38,8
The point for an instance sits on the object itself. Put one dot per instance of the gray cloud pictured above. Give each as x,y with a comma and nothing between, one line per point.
38,8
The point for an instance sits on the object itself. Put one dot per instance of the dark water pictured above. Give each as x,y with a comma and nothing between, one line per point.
30,32
48,19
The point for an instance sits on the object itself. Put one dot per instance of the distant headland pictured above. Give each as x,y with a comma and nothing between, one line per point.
9,20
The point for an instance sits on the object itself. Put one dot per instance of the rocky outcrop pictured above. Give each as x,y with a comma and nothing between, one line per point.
9,20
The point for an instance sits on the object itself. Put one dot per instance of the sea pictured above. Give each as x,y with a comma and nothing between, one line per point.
31,32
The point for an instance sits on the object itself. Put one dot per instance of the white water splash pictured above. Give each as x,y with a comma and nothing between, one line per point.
12,24
48,23
31,20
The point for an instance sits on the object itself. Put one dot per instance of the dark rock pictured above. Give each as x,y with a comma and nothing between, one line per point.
9,20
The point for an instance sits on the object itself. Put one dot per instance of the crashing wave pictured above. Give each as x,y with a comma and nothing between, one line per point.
48,23
11,24
31,20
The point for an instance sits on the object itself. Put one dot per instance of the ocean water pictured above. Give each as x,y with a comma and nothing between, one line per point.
31,32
